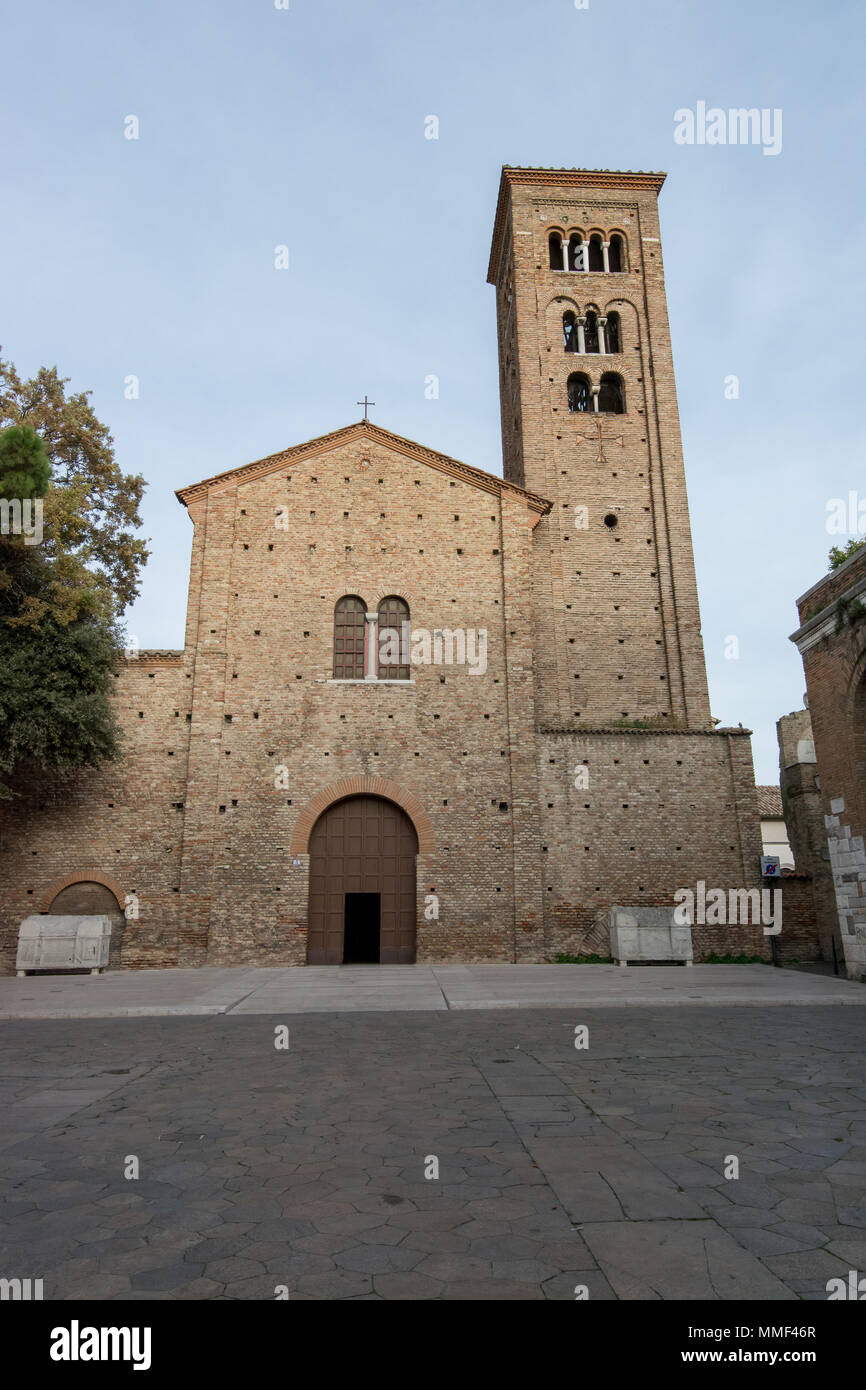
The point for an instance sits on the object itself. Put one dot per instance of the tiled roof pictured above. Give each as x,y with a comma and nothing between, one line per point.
770,803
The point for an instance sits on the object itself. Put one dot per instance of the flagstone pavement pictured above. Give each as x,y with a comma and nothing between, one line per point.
437,1153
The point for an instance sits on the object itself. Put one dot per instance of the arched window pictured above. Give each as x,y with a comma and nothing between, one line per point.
393,631
616,253
554,242
596,256
611,397
349,638
611,333
576,252
579,396
590,332
569,331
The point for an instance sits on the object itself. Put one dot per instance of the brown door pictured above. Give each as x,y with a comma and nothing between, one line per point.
362,846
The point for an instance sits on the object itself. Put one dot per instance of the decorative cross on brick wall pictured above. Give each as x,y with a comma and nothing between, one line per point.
611,439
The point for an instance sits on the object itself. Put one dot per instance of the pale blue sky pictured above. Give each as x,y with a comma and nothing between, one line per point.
305,127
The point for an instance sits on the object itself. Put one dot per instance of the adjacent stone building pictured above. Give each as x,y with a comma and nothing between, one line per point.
423,712
831,639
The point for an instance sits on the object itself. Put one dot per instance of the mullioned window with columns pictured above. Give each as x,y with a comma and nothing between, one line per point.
594,254
591,332
608,398
370,646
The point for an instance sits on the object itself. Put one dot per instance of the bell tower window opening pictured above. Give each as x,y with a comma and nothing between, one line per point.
611,396
579,393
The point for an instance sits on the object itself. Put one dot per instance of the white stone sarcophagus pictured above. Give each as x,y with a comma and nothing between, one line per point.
51,942
649,933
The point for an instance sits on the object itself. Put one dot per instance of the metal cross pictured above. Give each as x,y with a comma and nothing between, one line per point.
365,403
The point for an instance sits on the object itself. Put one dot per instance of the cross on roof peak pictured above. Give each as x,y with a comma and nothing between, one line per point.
365,403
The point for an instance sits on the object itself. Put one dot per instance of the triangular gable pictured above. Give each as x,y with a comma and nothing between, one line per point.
366,431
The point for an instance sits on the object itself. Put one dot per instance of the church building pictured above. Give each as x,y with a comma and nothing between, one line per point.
425,713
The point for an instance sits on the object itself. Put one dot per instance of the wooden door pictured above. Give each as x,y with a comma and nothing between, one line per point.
362,845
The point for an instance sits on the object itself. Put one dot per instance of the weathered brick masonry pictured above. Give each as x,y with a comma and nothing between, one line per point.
831,639
236,746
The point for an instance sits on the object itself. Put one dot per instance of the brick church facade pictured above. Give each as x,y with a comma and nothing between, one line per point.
424,712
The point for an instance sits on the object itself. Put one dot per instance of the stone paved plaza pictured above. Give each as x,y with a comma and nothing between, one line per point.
558,1167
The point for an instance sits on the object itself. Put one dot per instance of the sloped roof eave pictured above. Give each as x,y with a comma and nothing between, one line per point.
365,429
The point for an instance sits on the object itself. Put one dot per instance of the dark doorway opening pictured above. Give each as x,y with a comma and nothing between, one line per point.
361,931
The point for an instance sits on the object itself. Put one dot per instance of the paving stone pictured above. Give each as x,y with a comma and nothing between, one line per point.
478,1290
337,1174
378,1259
807,1264
162,1277
340,1283
407,1285
679,1260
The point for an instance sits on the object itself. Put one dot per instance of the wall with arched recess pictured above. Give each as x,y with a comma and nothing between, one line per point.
82,876
362,786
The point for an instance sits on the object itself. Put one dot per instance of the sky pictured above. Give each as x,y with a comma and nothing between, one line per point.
304,127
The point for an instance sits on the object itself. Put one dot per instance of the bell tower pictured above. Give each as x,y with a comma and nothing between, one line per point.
590,421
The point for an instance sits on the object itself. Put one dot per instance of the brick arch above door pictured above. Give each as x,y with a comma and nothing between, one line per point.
362,786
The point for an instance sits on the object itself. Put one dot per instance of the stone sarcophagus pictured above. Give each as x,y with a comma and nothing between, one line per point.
49,942
649,933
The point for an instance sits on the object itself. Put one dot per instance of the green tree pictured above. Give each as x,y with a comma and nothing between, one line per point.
838,555
61,598
24,465
90,505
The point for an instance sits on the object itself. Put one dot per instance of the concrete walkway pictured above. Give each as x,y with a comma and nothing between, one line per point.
339,989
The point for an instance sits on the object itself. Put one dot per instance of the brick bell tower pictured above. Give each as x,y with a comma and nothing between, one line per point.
590,421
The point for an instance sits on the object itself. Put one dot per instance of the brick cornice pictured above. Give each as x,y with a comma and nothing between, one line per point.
367,432
155,657
606,730
362,786
560,178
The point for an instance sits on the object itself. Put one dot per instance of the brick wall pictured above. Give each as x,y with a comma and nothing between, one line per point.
832,642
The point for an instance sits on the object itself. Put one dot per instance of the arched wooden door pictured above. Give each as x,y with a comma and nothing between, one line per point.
362,903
